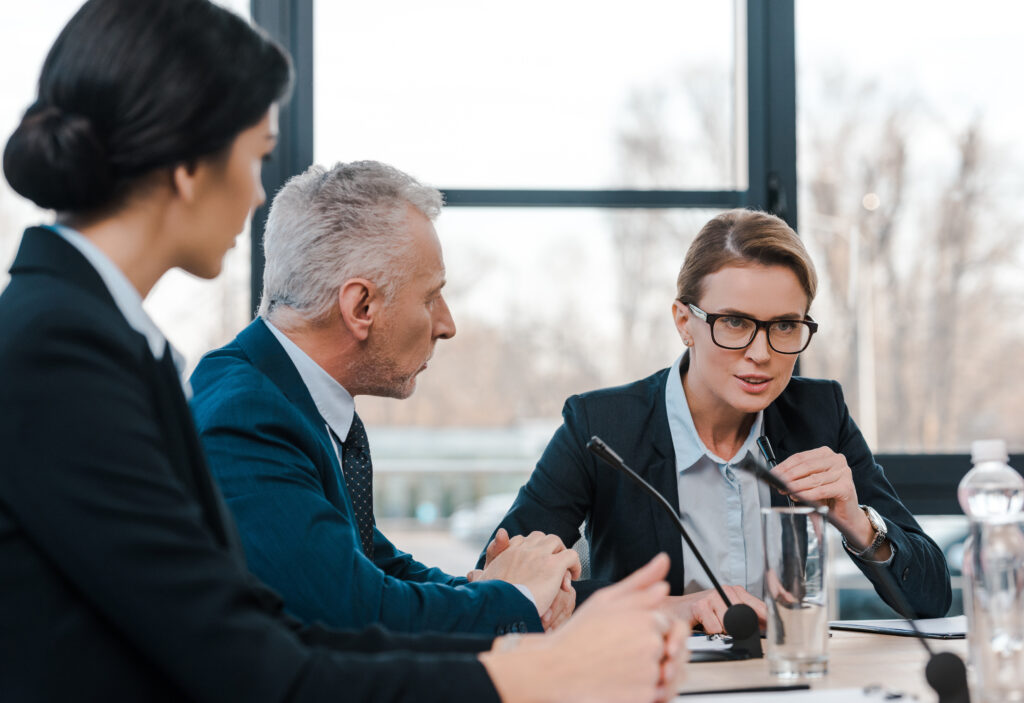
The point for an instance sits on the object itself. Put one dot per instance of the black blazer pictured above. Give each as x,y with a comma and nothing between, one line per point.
121,577
624,526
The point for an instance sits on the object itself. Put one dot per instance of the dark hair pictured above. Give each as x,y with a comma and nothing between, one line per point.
131,86
740,238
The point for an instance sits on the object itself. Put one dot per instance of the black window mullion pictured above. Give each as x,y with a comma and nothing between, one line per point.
290,23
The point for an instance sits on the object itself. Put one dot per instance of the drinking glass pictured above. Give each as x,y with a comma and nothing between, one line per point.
796,592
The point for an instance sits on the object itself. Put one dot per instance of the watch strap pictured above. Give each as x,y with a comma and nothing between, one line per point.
881,532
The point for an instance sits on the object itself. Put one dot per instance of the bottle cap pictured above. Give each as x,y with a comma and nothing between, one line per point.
989,450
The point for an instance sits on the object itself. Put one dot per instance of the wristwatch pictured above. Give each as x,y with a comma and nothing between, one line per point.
880,533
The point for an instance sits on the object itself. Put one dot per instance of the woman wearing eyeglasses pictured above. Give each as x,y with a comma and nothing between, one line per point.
743,296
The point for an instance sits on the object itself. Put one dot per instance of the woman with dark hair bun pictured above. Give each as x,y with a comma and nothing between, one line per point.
122,575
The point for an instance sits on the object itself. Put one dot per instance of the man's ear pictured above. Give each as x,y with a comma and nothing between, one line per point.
183,179
358,301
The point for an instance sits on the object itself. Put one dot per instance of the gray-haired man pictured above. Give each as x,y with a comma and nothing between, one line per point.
352,305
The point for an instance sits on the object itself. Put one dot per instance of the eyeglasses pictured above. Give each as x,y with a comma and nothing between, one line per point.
738,331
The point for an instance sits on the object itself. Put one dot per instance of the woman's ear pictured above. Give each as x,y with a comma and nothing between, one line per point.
358,302
682,316
183,180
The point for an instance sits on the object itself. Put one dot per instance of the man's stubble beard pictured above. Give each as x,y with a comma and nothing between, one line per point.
379,374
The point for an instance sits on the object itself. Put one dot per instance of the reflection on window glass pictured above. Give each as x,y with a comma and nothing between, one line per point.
910,173
570,94
196,315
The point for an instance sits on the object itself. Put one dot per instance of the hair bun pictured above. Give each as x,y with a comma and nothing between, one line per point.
56,160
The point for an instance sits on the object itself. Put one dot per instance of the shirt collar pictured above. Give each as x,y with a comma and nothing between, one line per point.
689,447
334,403
126,297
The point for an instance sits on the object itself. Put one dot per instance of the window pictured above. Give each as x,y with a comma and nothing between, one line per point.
910,189
540,95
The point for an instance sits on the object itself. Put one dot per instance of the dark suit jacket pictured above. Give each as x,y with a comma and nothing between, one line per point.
121,578
624,526
272,455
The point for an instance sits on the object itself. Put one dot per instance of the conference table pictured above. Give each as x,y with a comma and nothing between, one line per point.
856,660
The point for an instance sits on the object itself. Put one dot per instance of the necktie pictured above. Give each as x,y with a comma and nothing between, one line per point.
358,472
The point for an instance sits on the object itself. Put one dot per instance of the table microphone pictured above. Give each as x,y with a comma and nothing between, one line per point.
740,620
945,671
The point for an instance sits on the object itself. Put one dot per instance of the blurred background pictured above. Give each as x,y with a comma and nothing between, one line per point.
909,171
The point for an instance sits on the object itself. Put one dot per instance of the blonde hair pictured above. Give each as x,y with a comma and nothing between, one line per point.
740,238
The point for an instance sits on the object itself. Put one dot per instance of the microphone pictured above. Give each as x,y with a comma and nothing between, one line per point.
740,620
945,671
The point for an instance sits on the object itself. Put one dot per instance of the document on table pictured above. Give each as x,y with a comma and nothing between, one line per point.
818,695
704,643
954,628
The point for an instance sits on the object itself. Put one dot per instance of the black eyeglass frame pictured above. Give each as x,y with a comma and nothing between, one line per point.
711,317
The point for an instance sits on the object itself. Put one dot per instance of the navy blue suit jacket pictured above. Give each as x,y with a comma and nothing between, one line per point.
272,455
121,575
624,526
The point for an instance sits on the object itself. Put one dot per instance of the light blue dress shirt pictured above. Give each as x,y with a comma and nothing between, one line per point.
720,503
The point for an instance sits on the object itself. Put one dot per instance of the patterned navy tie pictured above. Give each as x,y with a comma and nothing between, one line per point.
358,471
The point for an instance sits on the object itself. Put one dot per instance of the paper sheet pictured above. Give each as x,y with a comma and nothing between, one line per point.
818,695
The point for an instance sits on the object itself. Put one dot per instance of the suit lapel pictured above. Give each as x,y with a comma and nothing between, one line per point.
660,472
185,452
267,354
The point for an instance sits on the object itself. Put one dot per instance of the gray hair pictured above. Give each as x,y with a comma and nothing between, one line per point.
328,226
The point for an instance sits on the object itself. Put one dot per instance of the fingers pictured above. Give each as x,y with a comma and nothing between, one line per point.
803,463
560,610
675,642
567,582
498,545
673,664
474,575
741,595
571,562
709,613
818,475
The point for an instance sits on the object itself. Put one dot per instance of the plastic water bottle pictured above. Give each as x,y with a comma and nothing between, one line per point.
992,496
992,488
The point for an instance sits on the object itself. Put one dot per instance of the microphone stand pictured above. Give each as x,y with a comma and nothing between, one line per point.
945,671
740,620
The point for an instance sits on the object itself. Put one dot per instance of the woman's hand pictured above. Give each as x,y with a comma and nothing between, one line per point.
823,476
706,608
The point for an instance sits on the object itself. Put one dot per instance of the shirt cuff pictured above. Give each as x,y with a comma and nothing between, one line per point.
526,592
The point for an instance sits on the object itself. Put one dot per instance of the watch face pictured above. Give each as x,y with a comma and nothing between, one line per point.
876,521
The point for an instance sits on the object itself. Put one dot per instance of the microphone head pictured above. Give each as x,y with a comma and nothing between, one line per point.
740,621
947,674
